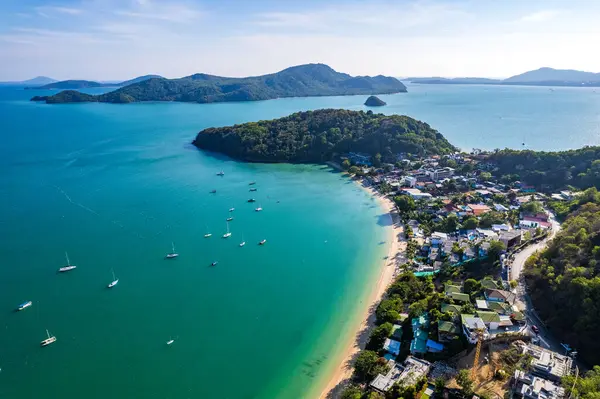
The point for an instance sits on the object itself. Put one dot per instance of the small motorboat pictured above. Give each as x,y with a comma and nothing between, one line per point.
251,200
215,263
263,242
253,189
24,305
229,219
221,173
50,340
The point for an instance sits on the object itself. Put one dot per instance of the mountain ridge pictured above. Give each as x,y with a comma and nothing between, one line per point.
296,81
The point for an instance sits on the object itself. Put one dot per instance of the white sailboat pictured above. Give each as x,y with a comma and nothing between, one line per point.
68,267
173,254
259,209
243,242
50,340
228,234
115,280
231,209
170,341
208,234
263,242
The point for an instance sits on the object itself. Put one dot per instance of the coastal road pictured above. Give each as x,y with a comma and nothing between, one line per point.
521,257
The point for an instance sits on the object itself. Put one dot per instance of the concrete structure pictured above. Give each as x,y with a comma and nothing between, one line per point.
533,223
528,386
547,364
441,173
511,238
471,327
415,193
407,373
392,346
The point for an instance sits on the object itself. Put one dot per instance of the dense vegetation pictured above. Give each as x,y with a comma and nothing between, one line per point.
83,84
298,81
314,136
549,170
564,280
374,101
586,387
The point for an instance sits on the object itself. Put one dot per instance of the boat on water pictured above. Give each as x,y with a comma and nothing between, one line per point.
251,200
221,173
213,191
259,209
229,219
215,263
231,209
68,267
252,183
263,242
253,189
50,340
24,305
170,341
228,234
173,254
243,242
208,233
115,280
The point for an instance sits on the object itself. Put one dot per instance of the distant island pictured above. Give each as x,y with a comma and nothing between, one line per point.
315,136
374,101
37,81
84,84
538,77
299,81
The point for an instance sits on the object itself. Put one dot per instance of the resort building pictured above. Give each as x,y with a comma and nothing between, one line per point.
473,326
407,373
528,386
547,364
441,174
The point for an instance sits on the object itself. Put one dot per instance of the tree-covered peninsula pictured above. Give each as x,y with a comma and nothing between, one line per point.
314,136
299,81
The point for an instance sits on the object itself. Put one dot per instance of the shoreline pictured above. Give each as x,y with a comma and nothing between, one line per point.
357,340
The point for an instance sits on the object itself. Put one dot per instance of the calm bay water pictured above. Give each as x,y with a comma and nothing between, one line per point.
114,185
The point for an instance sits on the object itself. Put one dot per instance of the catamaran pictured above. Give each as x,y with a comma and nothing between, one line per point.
49,340
228,234
173,254
115,280
258,209
263,242
24,305
243,242
68,267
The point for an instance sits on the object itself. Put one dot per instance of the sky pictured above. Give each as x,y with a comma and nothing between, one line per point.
121,39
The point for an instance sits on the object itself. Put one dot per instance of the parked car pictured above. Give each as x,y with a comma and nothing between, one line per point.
535,329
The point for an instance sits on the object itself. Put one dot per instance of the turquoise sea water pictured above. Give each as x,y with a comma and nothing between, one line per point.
114,185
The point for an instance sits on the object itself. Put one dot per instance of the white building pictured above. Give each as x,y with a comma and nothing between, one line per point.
415,193
441,173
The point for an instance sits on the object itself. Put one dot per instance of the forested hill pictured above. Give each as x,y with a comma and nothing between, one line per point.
549,171
298,81
564,281
314,136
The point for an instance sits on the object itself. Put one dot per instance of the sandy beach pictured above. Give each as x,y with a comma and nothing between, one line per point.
358,339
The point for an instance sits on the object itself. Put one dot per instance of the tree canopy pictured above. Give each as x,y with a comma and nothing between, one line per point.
314,136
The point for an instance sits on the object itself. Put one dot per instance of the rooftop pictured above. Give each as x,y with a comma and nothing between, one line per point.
446,307
547,363
472,322
488,317
457,296
448,327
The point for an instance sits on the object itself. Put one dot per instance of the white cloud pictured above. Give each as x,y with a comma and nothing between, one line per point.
48,11
540,16
144,9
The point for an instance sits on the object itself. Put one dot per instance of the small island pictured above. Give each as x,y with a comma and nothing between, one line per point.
39,98
374,101
316,136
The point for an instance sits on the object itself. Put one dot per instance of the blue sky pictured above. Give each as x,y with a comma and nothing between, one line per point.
120,39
